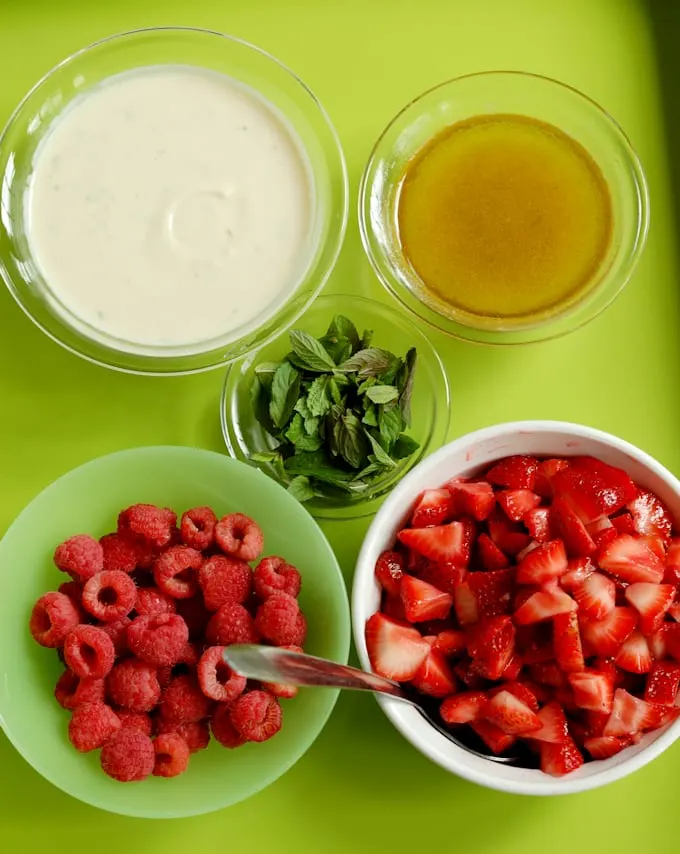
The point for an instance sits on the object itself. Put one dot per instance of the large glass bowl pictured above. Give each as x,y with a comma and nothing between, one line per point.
503,92
176,46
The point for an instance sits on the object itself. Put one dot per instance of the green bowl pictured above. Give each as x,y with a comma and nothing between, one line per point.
88,500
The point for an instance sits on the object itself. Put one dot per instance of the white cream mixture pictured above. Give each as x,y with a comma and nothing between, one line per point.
170,206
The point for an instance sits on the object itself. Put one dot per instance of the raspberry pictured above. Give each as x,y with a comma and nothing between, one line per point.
223,729
91,725
223,580
158,640
151,602
133,685
120,553
73,590
196,734
135,720
128,755
231,624
217,680
164,676
175,571
280,621
238,536
89,652
279,689
184,702
109,595
195,615
151,523
256,716
117,631
274,575
172,755
198,528
81,556
71,691
54,615
190,655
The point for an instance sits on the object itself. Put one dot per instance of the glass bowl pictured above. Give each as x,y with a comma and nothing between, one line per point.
503,92
394,331
249,66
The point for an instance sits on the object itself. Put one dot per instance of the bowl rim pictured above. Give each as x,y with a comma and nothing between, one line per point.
407,720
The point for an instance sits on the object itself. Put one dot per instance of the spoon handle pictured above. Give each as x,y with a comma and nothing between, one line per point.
271,664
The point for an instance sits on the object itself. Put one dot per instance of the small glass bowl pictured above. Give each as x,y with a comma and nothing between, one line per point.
503,92
394,331
84,70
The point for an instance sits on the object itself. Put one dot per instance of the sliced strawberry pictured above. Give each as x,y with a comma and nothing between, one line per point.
538,652
542,564
669,715
444,576
392,606
530,548
548,673
490,556
624,523
513,668
592,690
516,472
593,488
603,523
521,691
674,612
596,596
554,727
543,693
605,746
434,507
495,739
596,722
560,759
516,503
651,601
396,650
443,543
658,641
465,604
389,570
631,560
539,525
672,573
606,636
651,516
545,472
434,676
492,591
451,642
579,569
473,499
491,644
663,683
509,713
463,708
567,642
571,529
466,674
656,546
671,639
509,536
604,537
631,715
634,656
543,605
423,601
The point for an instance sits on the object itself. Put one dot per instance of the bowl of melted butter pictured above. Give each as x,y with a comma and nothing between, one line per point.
504,208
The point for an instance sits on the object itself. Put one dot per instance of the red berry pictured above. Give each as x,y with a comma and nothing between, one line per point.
223,580
280,621
81,556
238,536
128,755
198,528
184,702
217,680
275,575
231,624
389,570
117,631
119,553
89,652
223,729
256,716
196,734
172,755
91,725
54,615
109,595
195,615
151,602
135,720
73,590
71,691
175,571
133,685
153,524
158,640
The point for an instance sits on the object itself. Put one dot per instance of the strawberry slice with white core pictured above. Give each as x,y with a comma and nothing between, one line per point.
509,713
571,529
593,690
543,605
554,728
542,564
578,570
423,601
672,572
465,604
495,739
451,642
473,499
635,656
651,516
516,503
516,472
651,601
657,642
490,555
560,759
493,591
443,543
567,642
605,746
656,546
395,649
602,524
630,715
434,676
663,683
596,596
606,636
538,523
545,472
629,559
491,644
434,507
463,708
593,488
510,537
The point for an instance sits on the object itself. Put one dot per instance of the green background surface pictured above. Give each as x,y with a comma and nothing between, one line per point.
361,787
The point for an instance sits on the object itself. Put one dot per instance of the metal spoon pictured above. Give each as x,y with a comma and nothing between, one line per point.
271,664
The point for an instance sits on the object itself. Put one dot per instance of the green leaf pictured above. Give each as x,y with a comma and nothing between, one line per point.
301,488
334,391
371,469
337,350
342,327
368,363
371,415
381,455
265,456
312,425
350,439
302,407
259,401
318,400
364,386
285,392
366,339
382,393
297,434
310,352
390,375
318,465
265,373
391,423
407,375
404,447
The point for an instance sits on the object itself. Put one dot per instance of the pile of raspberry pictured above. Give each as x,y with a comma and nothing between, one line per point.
141,628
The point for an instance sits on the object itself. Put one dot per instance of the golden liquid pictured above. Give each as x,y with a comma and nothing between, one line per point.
506,217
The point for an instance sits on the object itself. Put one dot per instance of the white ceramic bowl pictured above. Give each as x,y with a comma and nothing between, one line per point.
464,457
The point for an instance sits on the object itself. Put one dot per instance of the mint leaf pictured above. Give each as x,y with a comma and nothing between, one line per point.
391,423
338,350
265,456
285,392
368,363
342,327
301,488
297,434
350,439
318,400
371,415
319,466
259,401
310,352
406,378
334,391
302,407
366,339
380,454
265,373
404,447
382,393
312,425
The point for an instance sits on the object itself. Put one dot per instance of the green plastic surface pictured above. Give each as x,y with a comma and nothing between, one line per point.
362,788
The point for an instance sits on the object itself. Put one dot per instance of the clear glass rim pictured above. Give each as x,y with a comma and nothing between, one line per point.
507,338
335,241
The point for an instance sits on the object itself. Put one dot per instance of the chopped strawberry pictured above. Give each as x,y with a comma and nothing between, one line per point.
543,605
545,472
658,641
491,644
490,556
543,693
567,642
423,601
444,576
509,713
465,604
389,570
532,545
516,503
656,546
579,569
451,642
593,488
674,612
543,564
651,601
606,636
651,516
392,606
601,524
434,676
634,656
560,759
605,746
507,535
516,472
548,673
495,739
596,596
396,650
571,529
596,722
434,507
521,691
663,683
672,573
624,523
463,708
671,639
538,652
492,591
631,560
538,523
604,537
554,727
513,668
473,499
592,690
467,675
442,543
669,715
631,715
